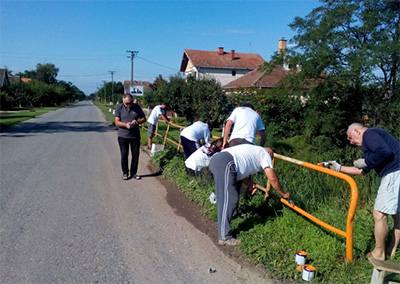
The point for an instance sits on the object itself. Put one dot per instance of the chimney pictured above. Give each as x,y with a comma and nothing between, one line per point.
282,45
233,54
220,50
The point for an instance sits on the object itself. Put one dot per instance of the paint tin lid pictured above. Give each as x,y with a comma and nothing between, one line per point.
309,268
301,253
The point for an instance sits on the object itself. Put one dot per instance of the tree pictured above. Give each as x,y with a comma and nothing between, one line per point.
358,44
349,53
46,73
203,97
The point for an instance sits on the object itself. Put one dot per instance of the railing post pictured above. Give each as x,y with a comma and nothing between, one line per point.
166,134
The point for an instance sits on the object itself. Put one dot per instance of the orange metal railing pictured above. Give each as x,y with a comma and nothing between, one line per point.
352,208
348,234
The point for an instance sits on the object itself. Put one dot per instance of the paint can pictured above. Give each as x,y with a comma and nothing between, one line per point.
308,273
301,258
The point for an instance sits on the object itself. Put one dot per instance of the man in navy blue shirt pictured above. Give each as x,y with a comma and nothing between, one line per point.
128,116
381,152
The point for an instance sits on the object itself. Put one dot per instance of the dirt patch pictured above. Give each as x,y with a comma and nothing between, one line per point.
192,212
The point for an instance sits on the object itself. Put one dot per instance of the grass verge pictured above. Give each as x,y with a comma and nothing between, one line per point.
18,115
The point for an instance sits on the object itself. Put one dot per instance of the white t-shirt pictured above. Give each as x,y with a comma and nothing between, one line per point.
247,123
196,132
198,159
249,159
157,111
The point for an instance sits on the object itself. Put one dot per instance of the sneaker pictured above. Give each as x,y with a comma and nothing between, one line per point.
229,242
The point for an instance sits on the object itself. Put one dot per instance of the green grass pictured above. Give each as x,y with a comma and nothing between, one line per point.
22,114
105,110
271,233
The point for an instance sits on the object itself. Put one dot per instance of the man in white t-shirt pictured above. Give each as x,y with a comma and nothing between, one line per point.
246,123
153,119
229,168
192,135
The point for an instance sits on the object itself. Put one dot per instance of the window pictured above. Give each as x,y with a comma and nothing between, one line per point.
234,73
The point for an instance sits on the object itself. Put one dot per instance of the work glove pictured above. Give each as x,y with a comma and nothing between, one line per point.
360,163
333,165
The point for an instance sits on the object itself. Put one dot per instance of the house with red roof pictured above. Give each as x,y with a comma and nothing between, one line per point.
263,79
260,79
224,66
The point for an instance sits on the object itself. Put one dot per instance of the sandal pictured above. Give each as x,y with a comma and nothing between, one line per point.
125,177
136,177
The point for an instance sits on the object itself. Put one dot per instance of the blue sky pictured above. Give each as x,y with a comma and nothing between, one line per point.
86,39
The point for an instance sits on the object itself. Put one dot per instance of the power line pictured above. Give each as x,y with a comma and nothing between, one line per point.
158,64
92,75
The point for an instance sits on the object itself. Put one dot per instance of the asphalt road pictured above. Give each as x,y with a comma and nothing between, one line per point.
68,217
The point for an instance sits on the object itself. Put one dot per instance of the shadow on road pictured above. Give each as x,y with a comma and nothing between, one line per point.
156,174
29,128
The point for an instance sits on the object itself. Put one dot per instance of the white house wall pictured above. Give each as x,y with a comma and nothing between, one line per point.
224,76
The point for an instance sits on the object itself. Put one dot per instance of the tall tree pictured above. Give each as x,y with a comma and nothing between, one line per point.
351,49
46,73
357,41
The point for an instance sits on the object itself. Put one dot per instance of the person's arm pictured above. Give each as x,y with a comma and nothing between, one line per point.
139,121
333,165
262,135
251,185
227,130
119,123
352,171
270,152
142,120
274,181
142,117
207,136
165,118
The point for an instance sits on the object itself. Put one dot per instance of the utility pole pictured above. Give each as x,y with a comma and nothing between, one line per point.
104,87
112,85
132,56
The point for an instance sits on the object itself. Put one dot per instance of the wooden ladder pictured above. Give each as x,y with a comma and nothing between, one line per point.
380,268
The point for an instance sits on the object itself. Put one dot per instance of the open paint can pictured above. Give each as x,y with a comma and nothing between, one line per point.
308,273
301,258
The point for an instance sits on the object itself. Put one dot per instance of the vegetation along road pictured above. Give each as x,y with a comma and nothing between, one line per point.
68,217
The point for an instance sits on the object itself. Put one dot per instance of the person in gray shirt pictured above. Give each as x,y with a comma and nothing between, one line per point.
128,116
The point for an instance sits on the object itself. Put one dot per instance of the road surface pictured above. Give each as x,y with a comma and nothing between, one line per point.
68,217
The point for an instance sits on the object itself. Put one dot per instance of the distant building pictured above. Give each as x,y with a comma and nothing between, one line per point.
259,78
223,66
14,79
142,86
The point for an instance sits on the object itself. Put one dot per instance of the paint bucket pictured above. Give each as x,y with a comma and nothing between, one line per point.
308,273
301,258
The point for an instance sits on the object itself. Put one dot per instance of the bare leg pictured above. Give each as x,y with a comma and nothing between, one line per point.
394,243
381,230
149,144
